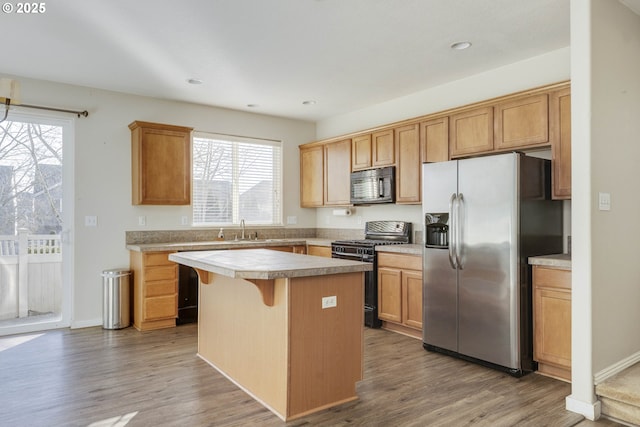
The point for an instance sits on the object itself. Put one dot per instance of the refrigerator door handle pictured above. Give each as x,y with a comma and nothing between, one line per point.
459,231
452,231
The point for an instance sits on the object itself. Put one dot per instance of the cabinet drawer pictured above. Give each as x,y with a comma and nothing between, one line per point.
551,278
157,258
168,272
160,287
405,262
162,307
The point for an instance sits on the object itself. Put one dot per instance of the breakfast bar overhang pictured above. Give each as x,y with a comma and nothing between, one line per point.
286,328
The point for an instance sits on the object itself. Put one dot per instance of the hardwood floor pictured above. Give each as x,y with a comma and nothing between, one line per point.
86,376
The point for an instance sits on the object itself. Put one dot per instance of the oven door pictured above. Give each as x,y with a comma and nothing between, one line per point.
370,287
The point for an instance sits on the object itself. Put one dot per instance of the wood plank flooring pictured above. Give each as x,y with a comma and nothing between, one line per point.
91,376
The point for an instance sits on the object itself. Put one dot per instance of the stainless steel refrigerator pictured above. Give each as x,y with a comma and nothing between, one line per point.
483,217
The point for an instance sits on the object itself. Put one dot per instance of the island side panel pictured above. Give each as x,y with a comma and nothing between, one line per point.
245,339
326,345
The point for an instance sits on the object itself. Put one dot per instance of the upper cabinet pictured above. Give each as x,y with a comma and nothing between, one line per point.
311,176
560,129
160,164
361,152
434,140
337,173
471,131
522,122
373,150
533,119
325,174
408,166
382,149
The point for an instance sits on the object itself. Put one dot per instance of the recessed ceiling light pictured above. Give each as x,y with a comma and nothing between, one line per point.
194,81
461,45
309,102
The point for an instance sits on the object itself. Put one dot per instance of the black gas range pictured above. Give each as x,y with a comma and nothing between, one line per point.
377,233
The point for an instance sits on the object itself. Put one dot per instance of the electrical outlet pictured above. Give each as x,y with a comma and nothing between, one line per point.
328,302
292,219
142,220
90,221
184,220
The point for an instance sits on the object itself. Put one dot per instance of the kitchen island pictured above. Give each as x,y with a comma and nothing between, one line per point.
286,328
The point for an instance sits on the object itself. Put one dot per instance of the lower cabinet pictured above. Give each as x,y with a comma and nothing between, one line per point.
155,290
400,292
552,321
317,250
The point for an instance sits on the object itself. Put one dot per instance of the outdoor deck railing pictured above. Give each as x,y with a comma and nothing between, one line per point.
30,274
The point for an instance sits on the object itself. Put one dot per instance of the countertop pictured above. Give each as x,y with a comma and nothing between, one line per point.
224,244
266,264
408,249
555,260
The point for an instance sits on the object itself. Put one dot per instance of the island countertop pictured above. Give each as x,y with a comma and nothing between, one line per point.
266,264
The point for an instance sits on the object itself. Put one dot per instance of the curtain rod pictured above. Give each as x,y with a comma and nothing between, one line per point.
84,113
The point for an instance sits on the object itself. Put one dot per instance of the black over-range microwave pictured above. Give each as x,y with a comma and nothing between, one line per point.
373,186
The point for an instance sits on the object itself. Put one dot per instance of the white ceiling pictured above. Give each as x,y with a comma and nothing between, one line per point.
344,54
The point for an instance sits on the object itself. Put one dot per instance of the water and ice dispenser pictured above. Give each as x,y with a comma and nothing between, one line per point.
437,230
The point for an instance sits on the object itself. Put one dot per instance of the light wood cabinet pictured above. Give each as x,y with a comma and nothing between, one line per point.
471,131
155,290
317,250
434,140
337,173
560,129
400,292
522,122
408,165
382,149
373,150
160,164
311,176
361,152
552,321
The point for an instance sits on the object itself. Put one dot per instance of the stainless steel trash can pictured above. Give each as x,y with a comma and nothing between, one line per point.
115,298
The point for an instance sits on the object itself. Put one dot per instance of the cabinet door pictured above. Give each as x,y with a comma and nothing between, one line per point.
311,176
560,128
389,294
434,140
324,251
412,298
552,326
522,122
161,164
161,307
408,166
337,173
361,152
382,149
471,131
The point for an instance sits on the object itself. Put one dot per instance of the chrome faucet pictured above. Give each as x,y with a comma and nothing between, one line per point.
242,227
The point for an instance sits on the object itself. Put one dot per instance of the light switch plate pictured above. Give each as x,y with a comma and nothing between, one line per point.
604,201
142,220
90,221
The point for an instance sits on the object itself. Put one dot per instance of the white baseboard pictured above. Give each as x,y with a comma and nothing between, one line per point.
86,323
590,411
620,366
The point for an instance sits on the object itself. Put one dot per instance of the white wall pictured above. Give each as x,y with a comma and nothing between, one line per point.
538,71
615,154
605,127
103,173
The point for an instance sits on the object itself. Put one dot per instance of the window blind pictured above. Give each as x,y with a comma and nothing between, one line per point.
236,178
